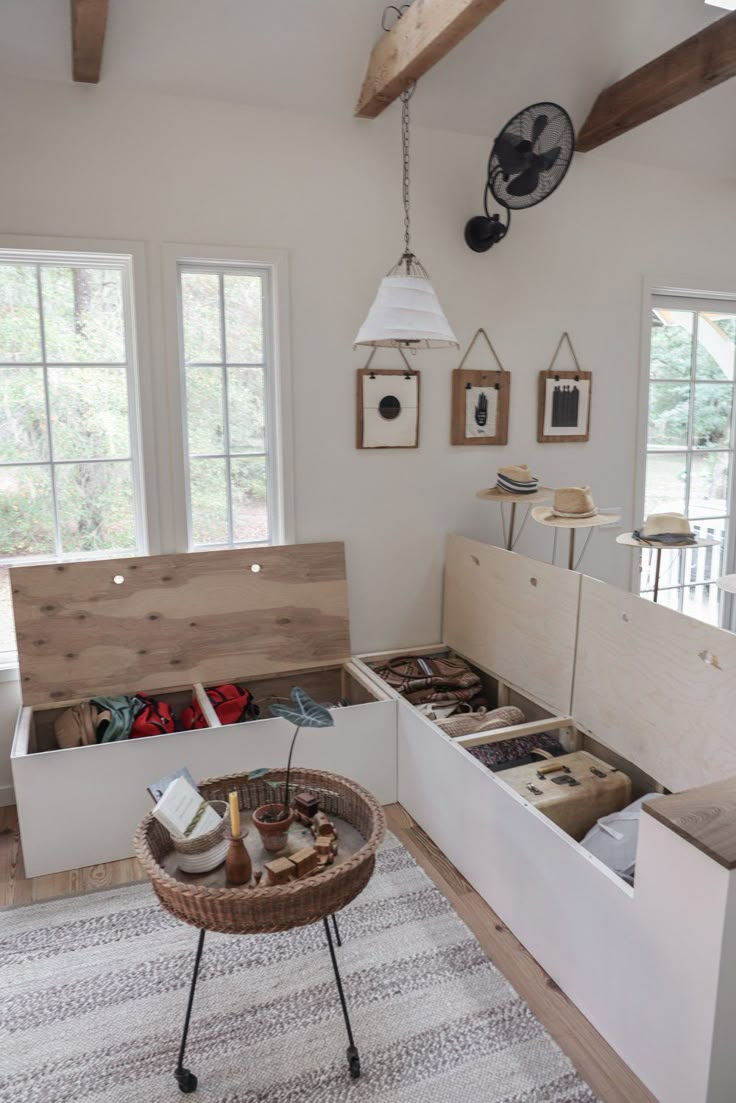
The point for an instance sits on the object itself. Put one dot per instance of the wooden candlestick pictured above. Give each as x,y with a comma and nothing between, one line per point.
238,866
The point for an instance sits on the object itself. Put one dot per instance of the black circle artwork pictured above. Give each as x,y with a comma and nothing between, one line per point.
389,407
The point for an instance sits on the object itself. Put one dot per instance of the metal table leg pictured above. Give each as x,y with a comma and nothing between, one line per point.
353,1057
186,1080
338,939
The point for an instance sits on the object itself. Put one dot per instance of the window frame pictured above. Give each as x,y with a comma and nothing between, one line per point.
697,302
272,265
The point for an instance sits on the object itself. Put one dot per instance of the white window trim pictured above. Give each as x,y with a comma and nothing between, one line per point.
274,262
140,375
682,298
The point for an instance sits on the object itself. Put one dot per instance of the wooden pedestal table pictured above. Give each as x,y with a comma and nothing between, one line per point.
208,903
545,516
496,494
628,540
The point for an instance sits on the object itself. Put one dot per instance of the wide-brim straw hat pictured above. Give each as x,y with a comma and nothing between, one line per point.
498,494
630,540
545,516
668,530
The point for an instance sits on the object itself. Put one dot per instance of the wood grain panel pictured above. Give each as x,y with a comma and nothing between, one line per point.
89,23
706,817
656,686
178,619
513,616
427,31
693,66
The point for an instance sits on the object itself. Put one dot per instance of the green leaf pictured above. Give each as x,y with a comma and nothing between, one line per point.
275,784
305,712
260,772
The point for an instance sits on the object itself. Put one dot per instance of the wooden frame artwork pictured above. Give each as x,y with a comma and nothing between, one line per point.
563,410
480,401
387,412
564,406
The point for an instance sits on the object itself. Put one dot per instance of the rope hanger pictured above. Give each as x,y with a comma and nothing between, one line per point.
565,337
478,333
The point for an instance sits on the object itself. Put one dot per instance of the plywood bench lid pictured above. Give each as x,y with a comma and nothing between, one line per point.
178,619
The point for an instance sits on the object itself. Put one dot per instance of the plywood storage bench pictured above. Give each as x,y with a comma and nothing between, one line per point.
653,692
170,626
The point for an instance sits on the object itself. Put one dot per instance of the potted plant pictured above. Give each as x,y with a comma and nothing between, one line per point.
274,820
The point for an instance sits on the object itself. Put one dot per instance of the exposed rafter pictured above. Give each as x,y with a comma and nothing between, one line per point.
89,20
695,65
425,33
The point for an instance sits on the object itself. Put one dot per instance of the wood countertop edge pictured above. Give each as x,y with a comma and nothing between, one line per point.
704,817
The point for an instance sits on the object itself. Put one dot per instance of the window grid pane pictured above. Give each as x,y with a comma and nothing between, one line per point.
691,406
226,409
76,418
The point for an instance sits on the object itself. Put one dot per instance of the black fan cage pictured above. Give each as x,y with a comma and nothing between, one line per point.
531,155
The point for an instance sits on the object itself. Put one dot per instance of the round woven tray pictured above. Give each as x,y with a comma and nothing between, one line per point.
268,908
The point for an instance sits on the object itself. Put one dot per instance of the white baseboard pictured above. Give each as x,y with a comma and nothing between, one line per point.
7,795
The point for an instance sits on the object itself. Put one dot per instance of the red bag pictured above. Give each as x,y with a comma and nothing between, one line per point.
155,718
232,704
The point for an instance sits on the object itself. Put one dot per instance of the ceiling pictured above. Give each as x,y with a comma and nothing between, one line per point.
310,55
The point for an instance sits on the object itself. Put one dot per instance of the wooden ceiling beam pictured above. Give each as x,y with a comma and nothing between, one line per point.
695,65
89,20
425,33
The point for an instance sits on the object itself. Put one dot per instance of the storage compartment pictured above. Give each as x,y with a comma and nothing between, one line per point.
211,619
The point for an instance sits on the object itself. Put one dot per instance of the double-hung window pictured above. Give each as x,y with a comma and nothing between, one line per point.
70,470
690,443
226,359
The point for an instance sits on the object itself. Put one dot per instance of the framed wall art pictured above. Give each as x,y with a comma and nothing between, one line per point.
563,414
480,401
387,407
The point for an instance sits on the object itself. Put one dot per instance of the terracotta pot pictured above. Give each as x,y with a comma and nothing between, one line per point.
273,835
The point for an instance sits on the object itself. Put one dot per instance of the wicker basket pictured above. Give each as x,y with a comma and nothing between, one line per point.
269,908
473,723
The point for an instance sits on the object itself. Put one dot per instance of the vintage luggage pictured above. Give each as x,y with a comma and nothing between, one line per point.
574,790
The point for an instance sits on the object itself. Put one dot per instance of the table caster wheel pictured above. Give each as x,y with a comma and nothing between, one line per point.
353,1062
186,1080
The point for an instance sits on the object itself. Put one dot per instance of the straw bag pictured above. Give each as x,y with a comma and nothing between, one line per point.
472,723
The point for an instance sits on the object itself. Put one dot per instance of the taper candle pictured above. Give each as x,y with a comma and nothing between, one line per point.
234,814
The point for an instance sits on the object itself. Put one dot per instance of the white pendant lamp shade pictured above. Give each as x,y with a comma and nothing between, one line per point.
406,311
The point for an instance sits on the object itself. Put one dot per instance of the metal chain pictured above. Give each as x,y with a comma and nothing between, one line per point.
405,97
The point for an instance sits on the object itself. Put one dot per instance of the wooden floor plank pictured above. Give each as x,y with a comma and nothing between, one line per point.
596,1062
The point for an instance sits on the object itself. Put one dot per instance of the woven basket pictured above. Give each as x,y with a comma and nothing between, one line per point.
472,723
203,843
268,908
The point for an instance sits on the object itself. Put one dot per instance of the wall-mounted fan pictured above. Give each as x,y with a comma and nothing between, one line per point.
528,161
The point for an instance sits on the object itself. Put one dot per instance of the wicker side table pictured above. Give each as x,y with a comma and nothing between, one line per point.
206,902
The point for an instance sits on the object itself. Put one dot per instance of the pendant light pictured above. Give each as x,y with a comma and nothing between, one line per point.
406,312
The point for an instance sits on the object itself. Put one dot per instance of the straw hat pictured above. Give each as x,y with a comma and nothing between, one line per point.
671,529
573,507
515,481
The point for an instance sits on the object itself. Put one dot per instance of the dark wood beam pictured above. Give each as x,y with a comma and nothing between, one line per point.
425,33
695,65
89,20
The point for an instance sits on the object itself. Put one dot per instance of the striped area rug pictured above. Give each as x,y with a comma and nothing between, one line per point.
93,991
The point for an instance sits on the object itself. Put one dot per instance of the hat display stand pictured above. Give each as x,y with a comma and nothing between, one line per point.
628,540
572,524
496,494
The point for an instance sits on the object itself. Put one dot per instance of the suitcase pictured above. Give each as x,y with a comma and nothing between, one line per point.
574,790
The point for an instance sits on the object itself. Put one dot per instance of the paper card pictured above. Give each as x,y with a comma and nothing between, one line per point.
481,411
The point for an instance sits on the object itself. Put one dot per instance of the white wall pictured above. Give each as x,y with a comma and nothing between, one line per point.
93,162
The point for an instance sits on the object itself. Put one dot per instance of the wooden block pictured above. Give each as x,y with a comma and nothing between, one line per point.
279,871
304,861
322,825
323,844
307,804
